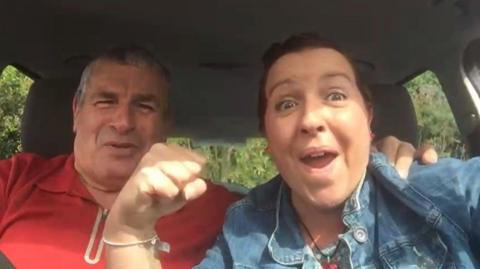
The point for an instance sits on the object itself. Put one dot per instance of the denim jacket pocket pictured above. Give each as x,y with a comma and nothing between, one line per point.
420,251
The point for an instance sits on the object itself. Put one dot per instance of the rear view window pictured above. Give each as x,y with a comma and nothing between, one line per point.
245,164
434,116
14,86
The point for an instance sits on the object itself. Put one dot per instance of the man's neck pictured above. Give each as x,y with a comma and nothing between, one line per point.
104,199
103,195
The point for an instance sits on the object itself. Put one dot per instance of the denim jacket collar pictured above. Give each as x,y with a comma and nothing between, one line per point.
286,244
354,203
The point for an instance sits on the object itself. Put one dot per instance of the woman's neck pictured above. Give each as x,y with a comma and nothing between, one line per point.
324,225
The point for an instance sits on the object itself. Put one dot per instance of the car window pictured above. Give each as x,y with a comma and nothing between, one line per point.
436,124
14,86
246,164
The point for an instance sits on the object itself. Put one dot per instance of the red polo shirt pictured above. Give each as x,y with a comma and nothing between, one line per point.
48,218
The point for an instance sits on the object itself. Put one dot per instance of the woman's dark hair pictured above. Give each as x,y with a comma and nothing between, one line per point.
297,43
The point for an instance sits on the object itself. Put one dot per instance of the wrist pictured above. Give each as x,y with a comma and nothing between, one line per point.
119,231
154,243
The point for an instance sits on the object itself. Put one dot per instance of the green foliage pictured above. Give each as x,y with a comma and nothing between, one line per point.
435,119
247,164
13,91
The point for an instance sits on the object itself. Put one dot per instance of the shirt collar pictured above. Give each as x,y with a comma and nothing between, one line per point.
64,179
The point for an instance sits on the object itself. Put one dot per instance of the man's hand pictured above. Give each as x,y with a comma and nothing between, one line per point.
165,179
401,154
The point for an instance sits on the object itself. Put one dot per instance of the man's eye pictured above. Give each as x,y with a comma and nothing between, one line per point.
146,107
285,105
336,96
104,102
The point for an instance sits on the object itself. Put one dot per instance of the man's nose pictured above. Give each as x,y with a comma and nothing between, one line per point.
123,120
312,119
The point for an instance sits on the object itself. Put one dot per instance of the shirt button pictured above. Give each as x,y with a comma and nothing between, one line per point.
360,234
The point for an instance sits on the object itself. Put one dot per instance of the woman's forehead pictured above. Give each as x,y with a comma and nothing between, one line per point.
317,63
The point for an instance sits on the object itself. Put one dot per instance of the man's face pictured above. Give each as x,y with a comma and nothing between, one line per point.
120,116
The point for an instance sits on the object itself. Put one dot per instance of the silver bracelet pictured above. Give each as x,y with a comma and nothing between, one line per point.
153,242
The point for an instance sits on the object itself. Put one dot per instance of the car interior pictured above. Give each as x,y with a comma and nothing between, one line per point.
213,49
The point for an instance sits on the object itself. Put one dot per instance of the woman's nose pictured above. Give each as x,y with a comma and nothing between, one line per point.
312,120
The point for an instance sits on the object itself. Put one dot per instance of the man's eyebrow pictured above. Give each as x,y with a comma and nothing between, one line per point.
147,98
104,94
286,81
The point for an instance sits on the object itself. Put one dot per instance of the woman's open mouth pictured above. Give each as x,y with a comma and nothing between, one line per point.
318,159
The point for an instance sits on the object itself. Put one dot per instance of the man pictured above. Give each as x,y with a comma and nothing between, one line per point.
52,211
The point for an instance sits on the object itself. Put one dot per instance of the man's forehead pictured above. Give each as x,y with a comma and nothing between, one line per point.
106,67
113,76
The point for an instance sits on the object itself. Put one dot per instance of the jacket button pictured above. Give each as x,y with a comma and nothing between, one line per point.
360,234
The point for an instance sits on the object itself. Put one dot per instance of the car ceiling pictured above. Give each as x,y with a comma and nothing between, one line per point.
213,47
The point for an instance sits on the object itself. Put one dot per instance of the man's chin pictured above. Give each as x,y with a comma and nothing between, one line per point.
120,168
118,178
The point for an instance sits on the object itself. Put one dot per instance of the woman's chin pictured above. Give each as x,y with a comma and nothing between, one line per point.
321,203
328,200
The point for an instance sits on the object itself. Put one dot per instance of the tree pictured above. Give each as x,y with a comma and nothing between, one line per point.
246,164
435,119
14,87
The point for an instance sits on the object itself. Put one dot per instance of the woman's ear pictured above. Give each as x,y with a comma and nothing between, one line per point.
370,115
267,149
370,120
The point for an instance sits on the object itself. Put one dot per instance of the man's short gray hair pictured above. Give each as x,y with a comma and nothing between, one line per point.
129,55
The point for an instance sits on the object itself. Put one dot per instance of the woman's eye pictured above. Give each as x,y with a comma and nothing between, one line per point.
336,96
285,105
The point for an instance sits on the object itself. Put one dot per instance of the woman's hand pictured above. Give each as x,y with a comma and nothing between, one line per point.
165,179
401,154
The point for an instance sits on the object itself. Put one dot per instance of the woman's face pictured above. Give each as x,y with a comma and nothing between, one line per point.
317,126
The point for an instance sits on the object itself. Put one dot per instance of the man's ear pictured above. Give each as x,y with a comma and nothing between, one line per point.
167,126
74,112
168,122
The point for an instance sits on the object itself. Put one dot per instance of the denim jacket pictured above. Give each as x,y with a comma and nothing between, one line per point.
432,220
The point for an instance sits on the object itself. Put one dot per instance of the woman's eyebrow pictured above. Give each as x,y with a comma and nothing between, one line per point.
334,75
277,85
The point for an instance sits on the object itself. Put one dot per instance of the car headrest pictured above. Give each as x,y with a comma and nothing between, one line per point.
393,113
47,117
471,63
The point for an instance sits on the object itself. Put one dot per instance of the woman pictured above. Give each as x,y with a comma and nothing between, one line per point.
334,204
